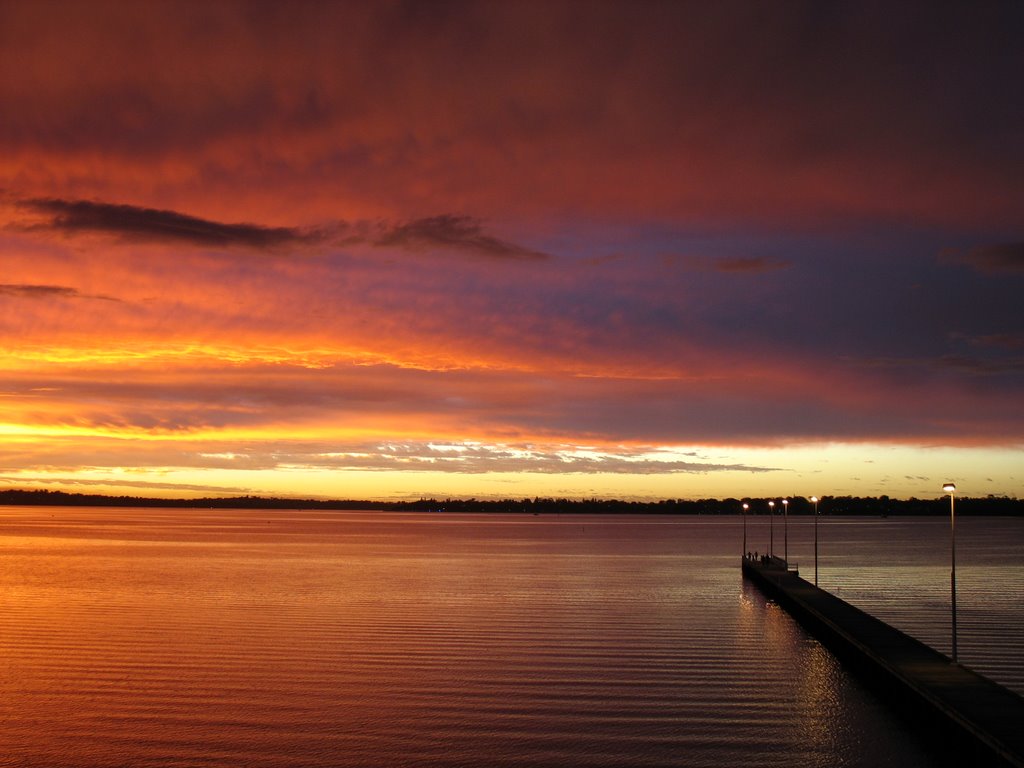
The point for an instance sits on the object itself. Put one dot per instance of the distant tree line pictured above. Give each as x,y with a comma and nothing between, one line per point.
64,499
881,506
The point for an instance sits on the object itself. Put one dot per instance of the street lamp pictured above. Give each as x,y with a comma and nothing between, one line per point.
771,529
785,531
745,508
951,490
814,501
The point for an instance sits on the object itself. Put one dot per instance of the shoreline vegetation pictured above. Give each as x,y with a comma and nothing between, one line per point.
880,506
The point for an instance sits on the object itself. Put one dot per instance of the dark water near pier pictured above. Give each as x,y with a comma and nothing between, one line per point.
269,638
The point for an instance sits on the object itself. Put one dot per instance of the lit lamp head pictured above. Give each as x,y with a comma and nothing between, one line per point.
814,499
949,488
771,504
745,506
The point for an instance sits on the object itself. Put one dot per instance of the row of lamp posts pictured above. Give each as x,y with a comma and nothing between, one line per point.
949,488
785,526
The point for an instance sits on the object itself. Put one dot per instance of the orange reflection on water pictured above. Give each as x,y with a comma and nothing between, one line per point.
268,638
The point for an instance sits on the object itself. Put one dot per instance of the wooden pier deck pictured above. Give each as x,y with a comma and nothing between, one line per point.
978,718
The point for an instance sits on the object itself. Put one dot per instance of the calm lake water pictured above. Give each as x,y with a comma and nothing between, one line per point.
273,638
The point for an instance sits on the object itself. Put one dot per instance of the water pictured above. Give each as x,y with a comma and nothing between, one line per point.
271,638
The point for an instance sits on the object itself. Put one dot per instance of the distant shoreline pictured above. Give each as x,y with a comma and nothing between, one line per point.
881,506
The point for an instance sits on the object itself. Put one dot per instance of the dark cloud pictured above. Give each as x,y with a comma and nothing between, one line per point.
136,223
965,364
462,233
1002,257
48,292
150,224
38,291
752,264
732,265
978,366
993,340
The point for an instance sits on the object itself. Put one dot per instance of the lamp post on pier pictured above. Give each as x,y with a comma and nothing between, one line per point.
745,508
950,488
771,529
785,531
814,501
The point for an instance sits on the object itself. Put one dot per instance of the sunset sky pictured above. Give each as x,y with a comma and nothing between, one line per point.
387,250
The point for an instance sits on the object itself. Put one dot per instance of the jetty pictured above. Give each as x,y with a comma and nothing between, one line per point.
980,720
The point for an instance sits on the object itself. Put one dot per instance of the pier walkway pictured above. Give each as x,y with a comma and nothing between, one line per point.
981,719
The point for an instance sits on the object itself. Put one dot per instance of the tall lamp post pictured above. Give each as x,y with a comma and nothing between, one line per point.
745,508
950,488
771,529
785,531
814,501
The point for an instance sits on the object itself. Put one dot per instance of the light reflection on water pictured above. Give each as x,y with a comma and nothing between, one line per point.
210,637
